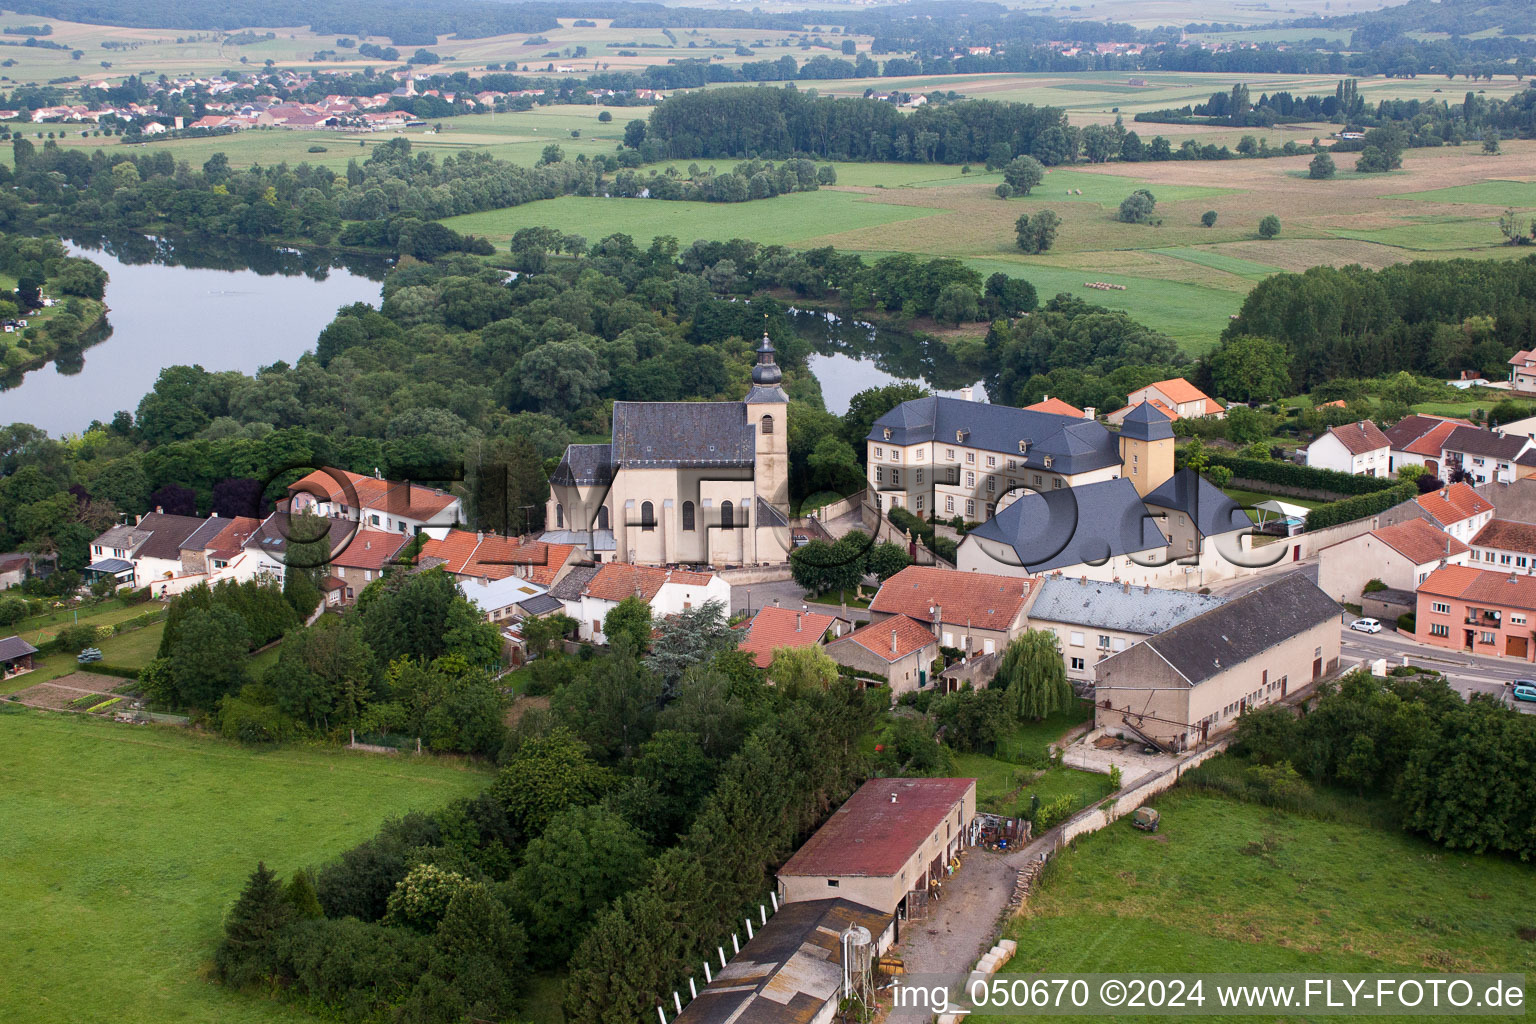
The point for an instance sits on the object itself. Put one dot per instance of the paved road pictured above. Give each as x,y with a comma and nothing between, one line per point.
1467,673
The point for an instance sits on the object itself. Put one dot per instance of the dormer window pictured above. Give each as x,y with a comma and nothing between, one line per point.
1048,461
1024,447
960,437
887,433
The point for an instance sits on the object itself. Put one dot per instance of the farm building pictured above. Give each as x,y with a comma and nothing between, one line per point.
1179,687
887,847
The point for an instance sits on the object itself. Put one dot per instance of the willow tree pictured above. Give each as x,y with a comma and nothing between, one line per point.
1034,675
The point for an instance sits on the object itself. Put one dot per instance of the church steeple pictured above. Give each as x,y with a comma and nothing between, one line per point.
766,373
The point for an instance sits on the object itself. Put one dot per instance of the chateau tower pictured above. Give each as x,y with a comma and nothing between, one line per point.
1146,448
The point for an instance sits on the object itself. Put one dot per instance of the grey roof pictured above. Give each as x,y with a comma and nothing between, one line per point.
1476,441
166,534
1145,610
570,586
1074,525
272,536
122,537
543,604
1212,512
668,434
584,464
113,565
1073,445
1146,422
201,537
592,540
769,514
759,395
13,647
1244,627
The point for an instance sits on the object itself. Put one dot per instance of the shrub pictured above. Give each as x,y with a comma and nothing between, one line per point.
1208,218
1321,167
1373,586
73,639
1269,227
1054,813
1406,624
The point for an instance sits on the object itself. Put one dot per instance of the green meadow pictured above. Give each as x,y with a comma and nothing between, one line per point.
1229,887
123,846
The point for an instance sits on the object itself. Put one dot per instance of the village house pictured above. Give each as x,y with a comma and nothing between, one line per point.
146,553
1056,407
14,569
265,554
1179,687
1401,556
1094,620
375,503
773,628
1522,371
887,847
1488,455
363,558
667,591
509,599
482,555
1505,545
699,483
1480,611
1359,449
1420,441
972,612
1176,398
1455,508
898,652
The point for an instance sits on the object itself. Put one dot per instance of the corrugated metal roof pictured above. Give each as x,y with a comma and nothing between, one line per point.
873,835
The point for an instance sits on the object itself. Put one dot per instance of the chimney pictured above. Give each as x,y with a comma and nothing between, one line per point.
893,798
797,622
1146,588
1125,587
966,394
178,122
893,651
775,602
160,510
1089,412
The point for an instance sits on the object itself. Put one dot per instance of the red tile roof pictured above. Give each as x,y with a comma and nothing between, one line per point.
1432,442
494,557
981,599
773,628
871,835
617,580
893,638
456,549
359,491
232,538
1453,503
1507,535
1359,438
1419,541
1057,406
369,549
1482,587
1180,390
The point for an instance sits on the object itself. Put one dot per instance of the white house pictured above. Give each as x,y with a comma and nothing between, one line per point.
1504,545
1455,508
667,591
1176,398
378,504
1359,449
1488,456
1401,555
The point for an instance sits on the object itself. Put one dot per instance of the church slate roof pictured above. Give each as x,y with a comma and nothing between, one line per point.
1074,525
671,434
584,464
1146,423
1073,445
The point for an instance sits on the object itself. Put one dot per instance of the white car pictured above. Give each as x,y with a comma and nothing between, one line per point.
1366,625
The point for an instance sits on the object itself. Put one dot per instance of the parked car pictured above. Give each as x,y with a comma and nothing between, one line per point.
1146,819
1525,690
1366,625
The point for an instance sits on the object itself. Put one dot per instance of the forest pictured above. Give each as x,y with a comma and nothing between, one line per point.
1434,317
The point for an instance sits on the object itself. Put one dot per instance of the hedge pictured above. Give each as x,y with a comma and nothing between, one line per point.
102,668
149,618
1289,474
1360,506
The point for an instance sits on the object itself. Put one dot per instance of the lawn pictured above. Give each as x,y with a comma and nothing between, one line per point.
1003,787
1495,192
1226,886
1248,499
124,845
784,220
37,628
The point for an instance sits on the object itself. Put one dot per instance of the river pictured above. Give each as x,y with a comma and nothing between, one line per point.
222,306
849,356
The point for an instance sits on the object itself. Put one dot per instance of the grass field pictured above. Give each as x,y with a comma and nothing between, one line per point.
1225,886
123,847
133,649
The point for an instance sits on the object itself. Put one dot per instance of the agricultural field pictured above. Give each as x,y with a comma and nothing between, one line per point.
112,919
1178,276
1275,892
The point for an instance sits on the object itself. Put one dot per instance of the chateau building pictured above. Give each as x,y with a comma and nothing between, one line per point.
702,483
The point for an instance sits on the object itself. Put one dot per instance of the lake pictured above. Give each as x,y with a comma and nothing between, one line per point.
222,306
849,356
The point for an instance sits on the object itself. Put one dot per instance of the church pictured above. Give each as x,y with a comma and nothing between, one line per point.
697,483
